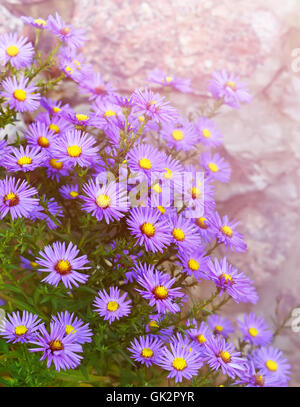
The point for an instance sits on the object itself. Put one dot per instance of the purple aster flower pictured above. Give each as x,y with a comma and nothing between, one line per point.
225,231
20,95
112,306
96,86
153,327
272,363
28,264
54,209
62,264
153,106
158,76
108,112
205,228
57,347
186,343
216,167
24,159
74,325
220,325
198,333
194,263
252,377
16,51
39,135
228,86
228,279
38,23
180,362
54,107
146,159
81,120
56,123
70,36
76,147
146,225
184,233
56,168
158,289
108,201
4,150
146,349
18,327
255,330
219,354
69,191
182,136
16,198
208,133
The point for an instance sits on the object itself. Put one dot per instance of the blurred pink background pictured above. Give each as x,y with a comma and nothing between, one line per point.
257,39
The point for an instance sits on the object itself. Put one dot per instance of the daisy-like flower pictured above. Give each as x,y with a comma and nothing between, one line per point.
70,36
184,233
20,95
252,377
108,201
146,159
76,147
18,327
220,325
228,86
54,107
81,120
153,327
193,263
62,264
183,137
69,191
159,77
272,363
16,51
112,305
56,168
255,330
57,347
158,289
153,106
96,86
24,159
179,361
146,349
185,342
228,279
219,354
208,133
150,230
172,173
16,198
225,231
56,122
39,135
38,23
74,325
198,333
204,227
216,167
4,150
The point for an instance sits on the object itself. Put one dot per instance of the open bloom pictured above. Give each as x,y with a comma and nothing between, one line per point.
69,191
70,36
181,136
198,333
207,132
58,347
252,377
255,330
18,327
158,76
225,231
193,263
17,51
146,349
74,325
184,233
146,159
39,135
16,198
24,159
112,305
20,95
220,325
216,167
62,264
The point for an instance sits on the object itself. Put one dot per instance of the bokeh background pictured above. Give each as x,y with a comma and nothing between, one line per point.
258,39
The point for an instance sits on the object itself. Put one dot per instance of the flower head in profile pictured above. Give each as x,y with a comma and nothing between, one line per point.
70,36
226,233
19,94
254,329
252,377
56,168
69,191
63,265
74,326
112,305
54,122
17,198
198,333
159,77
38,23
146,349
16,51
18,327
220,325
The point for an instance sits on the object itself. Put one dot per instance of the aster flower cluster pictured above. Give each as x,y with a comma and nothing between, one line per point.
109,223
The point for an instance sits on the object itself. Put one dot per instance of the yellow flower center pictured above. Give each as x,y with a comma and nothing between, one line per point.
160,292
196,193
82,117
153,324
112,306
193,264
56,164
169,79
226,230
179,364
271,365
218,328
74,151
227,277
33,264
110,113
11,198
259,380
56,345
74,194
206,133
168,174
20,330
156,188
43,142
178,234
253,331
147,353
40,21
69,70
148,229
20,95
213,167
231,84
145,163
177,135
161,209
12,50
225,356
103,201
201,338
56,109
54,127
63,267
24,160
77,63
201,223
70,329
141,119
